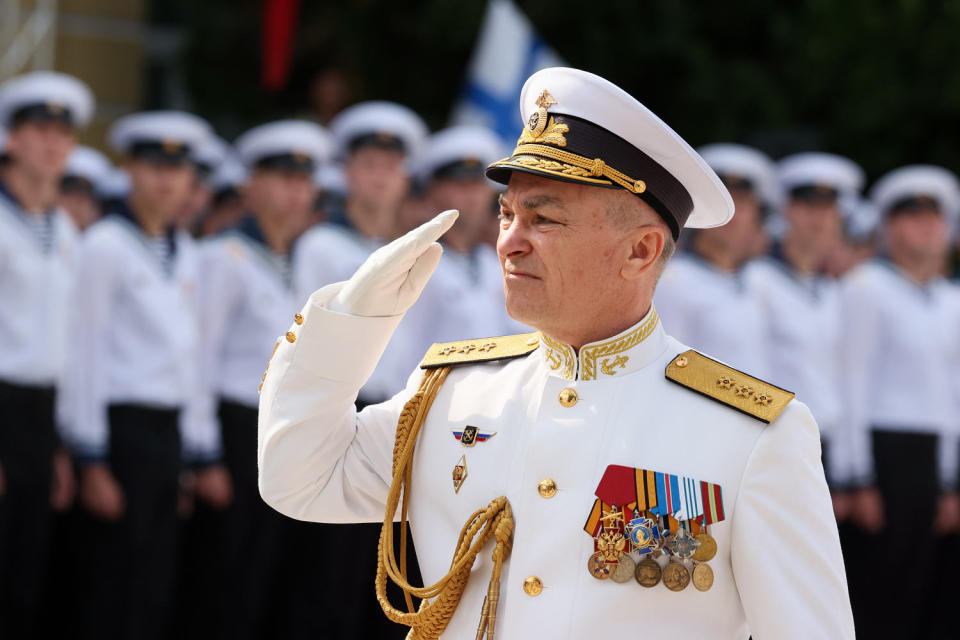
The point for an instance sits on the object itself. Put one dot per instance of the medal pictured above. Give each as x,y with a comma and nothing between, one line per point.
707,549
648,573
684,545
676,577
702,577
459,474
611,544
625,571
597,566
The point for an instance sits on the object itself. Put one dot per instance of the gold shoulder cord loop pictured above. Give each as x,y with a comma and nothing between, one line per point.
496,520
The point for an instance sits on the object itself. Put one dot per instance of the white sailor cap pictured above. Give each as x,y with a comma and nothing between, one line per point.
169,136
581,128
819,176
459,152
917,186
210,154
331,179
380,124
297,145
743,167
862,217
87,163
229,174
45,95
114,185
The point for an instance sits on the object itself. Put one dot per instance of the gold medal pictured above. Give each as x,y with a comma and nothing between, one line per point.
702,577
707,549
648,573
598,567
676,577
625,570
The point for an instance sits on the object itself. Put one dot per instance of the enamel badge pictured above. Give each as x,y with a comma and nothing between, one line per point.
469,436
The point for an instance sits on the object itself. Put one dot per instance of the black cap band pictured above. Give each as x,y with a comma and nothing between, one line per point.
378,140
42,112
814,193
460,169
572,149
166,151
286,162
735,182
914,204
76,184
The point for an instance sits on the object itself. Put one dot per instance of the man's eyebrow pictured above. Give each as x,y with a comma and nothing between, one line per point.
535,202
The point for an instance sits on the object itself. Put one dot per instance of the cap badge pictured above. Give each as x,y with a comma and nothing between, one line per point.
538,119
300,158
171,146
55,109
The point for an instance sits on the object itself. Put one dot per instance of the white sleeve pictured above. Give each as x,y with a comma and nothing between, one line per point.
320,460
785,548
220,292
859,341
98,273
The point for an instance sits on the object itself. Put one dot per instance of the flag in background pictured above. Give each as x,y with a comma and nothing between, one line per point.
507,52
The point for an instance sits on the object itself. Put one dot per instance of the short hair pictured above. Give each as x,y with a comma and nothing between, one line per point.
626,211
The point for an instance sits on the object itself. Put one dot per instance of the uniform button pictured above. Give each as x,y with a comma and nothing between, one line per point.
532,342
547,488
298,318
533,586
682,362
291,336
568,397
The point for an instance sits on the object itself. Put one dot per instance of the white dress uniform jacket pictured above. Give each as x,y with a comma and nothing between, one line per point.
712,310
802,343
900,347
36,281
134,335
779,571
245,300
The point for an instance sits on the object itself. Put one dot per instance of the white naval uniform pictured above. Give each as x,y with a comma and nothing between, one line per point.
900,347
134,336
36,282
802,344
779,570
245,300
712,310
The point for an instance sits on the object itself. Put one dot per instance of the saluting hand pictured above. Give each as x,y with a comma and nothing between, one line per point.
391,279
101,494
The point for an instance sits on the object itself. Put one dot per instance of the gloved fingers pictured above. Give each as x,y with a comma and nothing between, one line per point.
420,273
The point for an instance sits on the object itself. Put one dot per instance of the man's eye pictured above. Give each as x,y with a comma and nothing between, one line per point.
505,216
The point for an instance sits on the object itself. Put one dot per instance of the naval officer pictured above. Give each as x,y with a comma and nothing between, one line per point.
42,111
596,475
133,391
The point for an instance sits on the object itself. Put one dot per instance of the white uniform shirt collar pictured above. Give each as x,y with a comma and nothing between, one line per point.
617,356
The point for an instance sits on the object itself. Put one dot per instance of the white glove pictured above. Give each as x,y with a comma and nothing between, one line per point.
391,279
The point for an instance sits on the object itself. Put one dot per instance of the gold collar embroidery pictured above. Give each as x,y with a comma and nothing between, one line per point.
598,359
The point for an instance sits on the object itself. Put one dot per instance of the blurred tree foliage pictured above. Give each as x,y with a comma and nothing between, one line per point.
877,80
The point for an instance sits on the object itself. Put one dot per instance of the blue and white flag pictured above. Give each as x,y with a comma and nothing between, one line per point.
508,52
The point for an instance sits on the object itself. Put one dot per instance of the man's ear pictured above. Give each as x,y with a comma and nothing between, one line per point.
645,247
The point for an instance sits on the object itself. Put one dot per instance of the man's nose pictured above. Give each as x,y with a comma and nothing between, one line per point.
513,239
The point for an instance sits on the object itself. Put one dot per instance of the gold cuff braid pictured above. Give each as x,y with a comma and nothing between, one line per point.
571,164
496,520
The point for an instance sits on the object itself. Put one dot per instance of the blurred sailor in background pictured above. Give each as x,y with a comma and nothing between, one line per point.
133,365
899,345
799,301
226,203
41,111
246,299
702,296
86,168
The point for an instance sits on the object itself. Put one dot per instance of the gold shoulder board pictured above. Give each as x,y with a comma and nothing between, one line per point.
445,354
733,388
